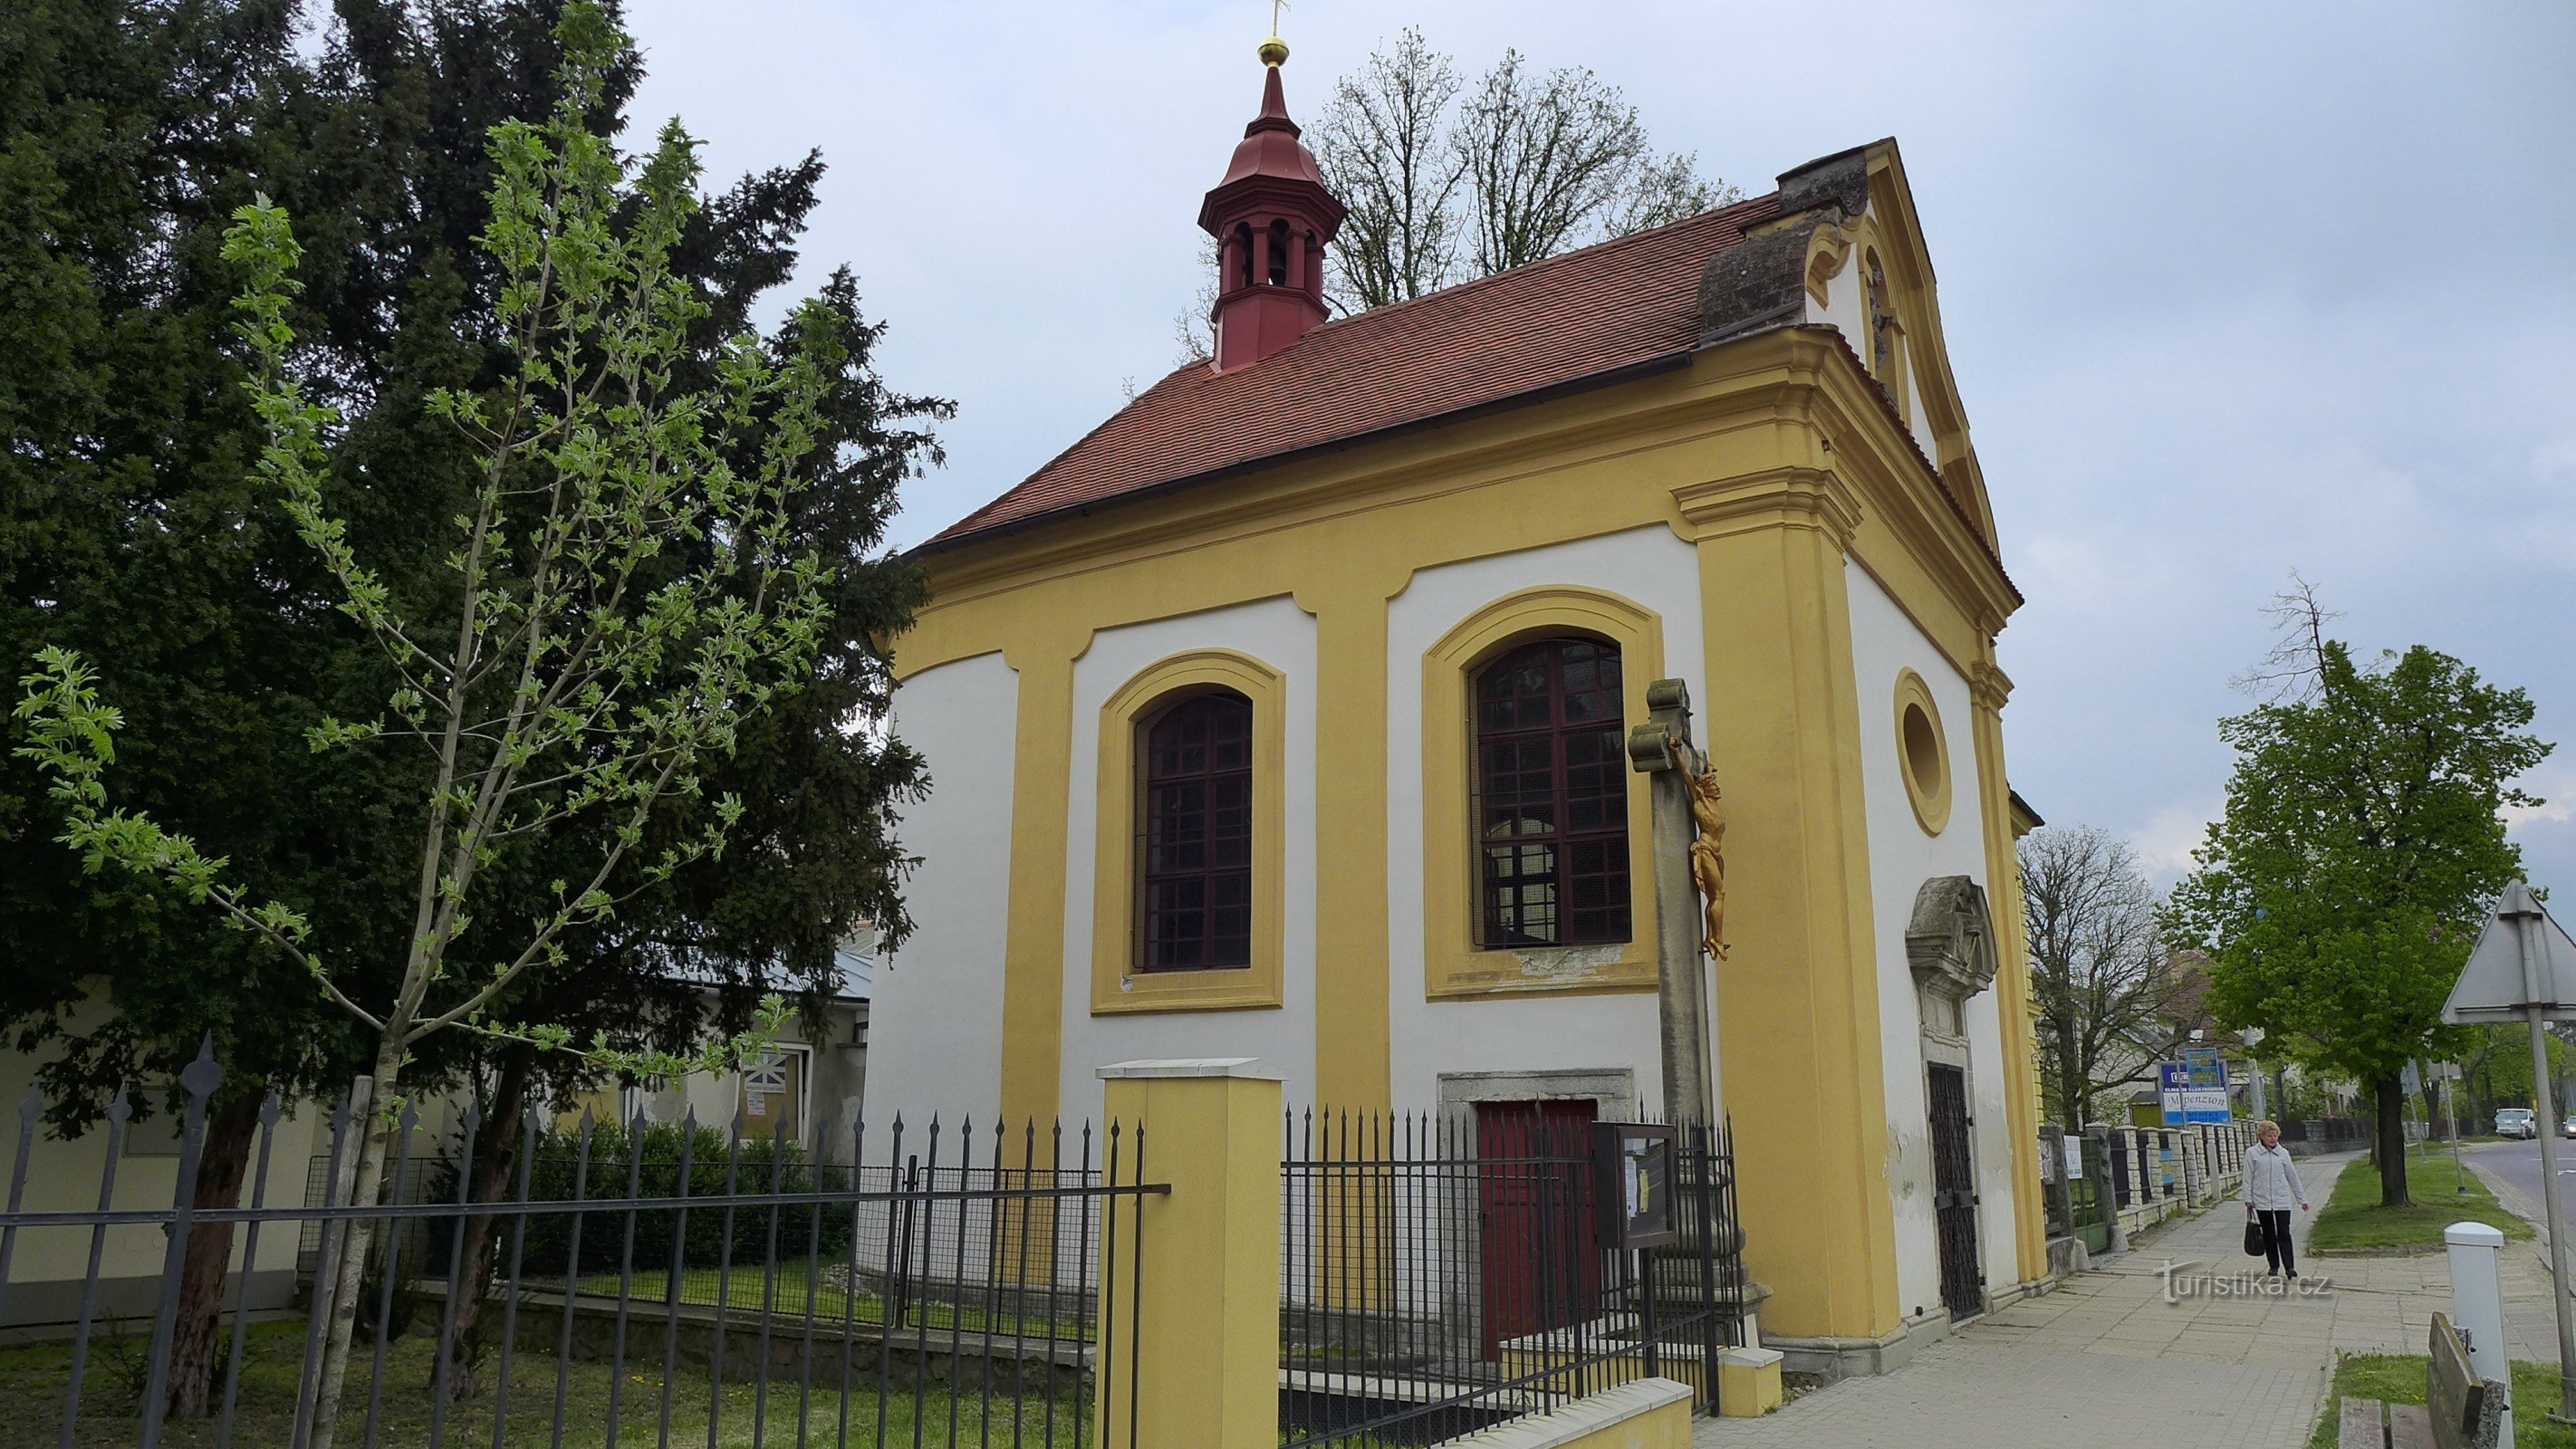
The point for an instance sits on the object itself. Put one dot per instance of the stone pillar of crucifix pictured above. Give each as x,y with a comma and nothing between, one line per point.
1686,940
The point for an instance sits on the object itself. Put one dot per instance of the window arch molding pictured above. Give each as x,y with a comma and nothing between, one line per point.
1117,986
1455,964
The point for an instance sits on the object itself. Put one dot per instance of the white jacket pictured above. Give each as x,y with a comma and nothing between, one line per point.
2271,1183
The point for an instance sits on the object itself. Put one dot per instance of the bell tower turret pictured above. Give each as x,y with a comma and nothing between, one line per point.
1272,219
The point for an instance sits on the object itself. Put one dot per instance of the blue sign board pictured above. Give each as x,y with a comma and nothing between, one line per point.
2194,1089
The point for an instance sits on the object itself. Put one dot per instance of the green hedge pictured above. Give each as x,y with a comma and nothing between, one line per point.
765,1165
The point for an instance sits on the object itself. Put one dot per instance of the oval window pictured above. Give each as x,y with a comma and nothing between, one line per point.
1923,752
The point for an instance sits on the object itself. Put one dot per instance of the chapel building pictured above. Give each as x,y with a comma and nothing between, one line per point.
1284,716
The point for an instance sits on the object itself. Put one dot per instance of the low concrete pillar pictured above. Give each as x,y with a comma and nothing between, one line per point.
1748,1382
1206,1257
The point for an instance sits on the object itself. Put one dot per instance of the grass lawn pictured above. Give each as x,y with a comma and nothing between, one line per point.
794,1290
2354,1222
32,1381
2399,1378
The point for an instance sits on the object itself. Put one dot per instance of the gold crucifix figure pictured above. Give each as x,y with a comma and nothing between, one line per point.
1708,840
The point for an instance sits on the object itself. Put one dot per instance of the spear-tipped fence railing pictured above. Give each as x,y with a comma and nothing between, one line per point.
633,1283
1444,1272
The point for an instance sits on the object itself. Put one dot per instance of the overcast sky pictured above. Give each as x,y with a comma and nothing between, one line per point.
2228,289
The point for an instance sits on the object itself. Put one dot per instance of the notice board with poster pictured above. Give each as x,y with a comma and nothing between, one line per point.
1632,1166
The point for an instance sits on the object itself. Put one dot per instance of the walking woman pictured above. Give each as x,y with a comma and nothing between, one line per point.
2271,1186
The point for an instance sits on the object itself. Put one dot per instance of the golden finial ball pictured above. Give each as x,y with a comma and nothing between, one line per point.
1274,51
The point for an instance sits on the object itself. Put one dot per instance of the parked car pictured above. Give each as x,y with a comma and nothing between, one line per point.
2568,1127
2516,1122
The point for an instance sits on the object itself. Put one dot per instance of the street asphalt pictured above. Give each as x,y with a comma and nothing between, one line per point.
2517,1165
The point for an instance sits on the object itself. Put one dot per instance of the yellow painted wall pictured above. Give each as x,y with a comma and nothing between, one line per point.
1774,458
63,1175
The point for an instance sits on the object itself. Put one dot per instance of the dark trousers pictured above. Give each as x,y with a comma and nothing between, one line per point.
2276,1242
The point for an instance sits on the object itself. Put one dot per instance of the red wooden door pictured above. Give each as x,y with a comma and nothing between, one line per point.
1533,1188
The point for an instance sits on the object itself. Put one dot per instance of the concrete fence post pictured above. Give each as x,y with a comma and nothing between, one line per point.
2106,1192
1202,1351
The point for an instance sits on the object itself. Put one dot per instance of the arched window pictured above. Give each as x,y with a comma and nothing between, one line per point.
1196,898
1243,254
1552,797
1279,253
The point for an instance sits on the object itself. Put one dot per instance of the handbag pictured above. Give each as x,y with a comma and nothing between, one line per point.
2253,1235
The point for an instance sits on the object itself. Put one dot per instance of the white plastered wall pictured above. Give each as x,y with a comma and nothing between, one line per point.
1902,857
1281,635
939,999
1533,1033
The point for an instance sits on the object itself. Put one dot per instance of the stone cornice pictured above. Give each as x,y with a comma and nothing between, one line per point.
1988,686
1784,497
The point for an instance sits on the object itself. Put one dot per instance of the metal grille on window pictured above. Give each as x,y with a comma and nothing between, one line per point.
1552,797
1198,835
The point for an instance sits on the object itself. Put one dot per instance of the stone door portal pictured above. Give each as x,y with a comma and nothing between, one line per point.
1954,1195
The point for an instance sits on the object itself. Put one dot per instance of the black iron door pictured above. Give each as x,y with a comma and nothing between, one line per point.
1954,1195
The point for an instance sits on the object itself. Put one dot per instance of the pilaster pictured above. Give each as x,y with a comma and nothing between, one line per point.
1353,1029
1033,950
1988,688
1799,991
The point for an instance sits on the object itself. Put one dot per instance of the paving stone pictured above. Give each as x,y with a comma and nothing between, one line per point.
2105,1362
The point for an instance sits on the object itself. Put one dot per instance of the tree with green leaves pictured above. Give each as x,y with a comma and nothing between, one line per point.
2495,1069
2341,892
133,529
631,592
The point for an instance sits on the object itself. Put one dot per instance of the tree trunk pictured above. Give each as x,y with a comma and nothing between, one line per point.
2072,1074
495,1155
374,1132
2390,1149
224,1159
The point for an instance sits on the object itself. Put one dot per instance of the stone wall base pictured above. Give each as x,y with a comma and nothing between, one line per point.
1843,1358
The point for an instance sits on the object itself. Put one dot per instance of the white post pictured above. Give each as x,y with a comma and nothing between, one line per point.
2477,1307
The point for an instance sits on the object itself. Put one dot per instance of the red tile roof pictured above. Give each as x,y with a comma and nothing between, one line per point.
1624,302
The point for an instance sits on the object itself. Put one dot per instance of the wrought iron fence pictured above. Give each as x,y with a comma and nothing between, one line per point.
2076,1190
945,1286
1443,1273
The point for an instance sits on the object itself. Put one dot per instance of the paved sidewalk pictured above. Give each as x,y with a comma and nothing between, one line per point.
2108,1360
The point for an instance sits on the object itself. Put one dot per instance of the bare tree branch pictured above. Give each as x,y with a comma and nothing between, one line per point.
2294,670
1383,147
2098,967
